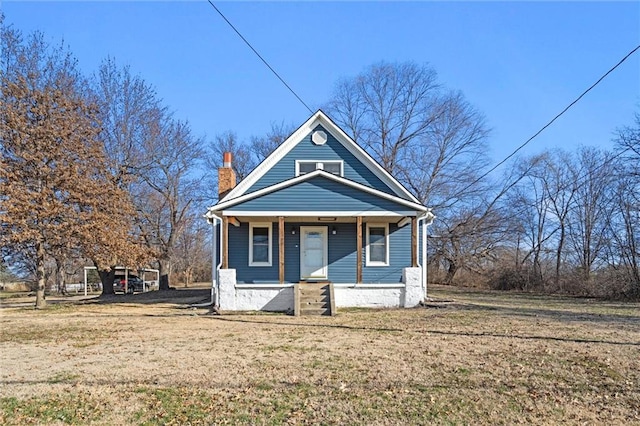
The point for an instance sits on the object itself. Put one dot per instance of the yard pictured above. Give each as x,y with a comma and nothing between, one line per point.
470,357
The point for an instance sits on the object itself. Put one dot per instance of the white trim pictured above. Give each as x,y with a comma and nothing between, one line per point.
319,213
269,286
269,226
319,118
370,262
378,286
325,251
280,185
321,167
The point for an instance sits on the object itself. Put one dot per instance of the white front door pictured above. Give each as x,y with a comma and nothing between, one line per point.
313,252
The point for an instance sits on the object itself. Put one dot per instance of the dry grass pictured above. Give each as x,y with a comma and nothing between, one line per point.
485,358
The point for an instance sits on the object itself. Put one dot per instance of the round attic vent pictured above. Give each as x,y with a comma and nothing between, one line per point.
319,137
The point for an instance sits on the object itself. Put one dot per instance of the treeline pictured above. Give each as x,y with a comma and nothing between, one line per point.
98,170
570,224
560,221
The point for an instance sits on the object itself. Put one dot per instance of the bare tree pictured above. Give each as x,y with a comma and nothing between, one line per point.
387,108
154,156
560,181
624,222
192,251
262,146
243,160
166,190
591,205
628,139
433,141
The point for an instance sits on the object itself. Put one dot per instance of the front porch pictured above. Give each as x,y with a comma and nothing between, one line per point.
235,296
363,249
264,278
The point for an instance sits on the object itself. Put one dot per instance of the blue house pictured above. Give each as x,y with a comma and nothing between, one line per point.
319,209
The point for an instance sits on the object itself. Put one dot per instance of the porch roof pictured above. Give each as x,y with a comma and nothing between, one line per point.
318,193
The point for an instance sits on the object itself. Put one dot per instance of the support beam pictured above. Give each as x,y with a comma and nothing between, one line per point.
359,250
281,249
225,243
414,242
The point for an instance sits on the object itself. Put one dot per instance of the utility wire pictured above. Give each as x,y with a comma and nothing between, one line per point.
260,56
552,120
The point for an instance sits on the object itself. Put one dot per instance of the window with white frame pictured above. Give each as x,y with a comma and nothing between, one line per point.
330,166
260,244
377,244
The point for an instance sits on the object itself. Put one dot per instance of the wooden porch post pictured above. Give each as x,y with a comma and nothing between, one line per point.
281,249
225,243
414,242
359,250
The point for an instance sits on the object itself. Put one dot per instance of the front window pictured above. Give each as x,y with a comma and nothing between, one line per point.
260,244
377,244
304,167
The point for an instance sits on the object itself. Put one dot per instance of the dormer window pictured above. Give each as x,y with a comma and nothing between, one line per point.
334,167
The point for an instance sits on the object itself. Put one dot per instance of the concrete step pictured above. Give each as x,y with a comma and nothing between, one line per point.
315,305
309,312
314,299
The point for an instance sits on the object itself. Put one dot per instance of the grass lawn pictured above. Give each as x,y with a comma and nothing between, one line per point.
473,357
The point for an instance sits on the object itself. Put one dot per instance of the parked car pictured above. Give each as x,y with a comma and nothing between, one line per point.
133,284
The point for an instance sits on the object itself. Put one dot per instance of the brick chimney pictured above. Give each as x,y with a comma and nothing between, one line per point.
226,176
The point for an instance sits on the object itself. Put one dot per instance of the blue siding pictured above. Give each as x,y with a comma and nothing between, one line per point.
354,169
342,249
319,194
239,256
399,257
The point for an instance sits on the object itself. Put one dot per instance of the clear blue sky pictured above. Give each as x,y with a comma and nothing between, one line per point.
519,63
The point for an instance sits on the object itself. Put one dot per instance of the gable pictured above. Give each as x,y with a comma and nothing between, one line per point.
352,168
362,168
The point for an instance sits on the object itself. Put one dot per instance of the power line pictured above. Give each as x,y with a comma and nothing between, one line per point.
260,56
553,119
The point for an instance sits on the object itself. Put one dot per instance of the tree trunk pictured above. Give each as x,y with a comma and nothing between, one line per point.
61,282
559,258
163,268
107,278
451,272
40,300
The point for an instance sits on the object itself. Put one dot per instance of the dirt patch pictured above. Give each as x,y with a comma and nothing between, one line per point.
483,358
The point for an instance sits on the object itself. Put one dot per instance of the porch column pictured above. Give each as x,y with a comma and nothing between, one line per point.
225,243
281,249
414,242
359,250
